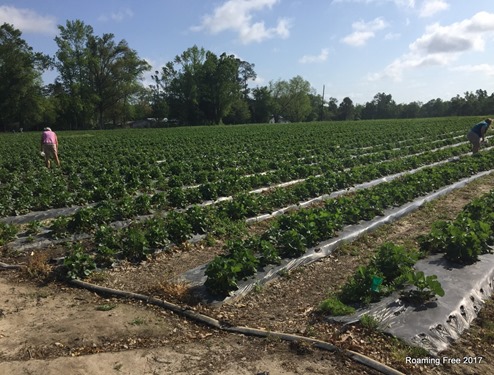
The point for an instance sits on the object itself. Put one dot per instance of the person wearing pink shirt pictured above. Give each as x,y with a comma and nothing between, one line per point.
49,146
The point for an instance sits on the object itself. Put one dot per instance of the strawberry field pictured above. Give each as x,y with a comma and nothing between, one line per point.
231,205
128,194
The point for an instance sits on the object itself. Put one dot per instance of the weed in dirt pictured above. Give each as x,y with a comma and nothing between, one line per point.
334,306
42,294
257,288
138,322
118,367
209,240
273,338
37,266
400,351
179,290
284,273
369,322
105,307
34,228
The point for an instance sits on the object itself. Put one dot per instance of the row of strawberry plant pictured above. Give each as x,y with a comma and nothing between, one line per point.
87,220
292,234
462,241
85,179
241,207
34,192
390,270
141,239
467,237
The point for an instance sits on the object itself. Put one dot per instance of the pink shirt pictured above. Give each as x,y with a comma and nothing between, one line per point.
49,137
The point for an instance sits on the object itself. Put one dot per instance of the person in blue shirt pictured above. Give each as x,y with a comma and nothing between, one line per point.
477,134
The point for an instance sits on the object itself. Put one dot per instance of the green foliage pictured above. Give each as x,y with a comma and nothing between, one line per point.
393,261
60,227
78,263
222,275
291,244
369,322
156,233
335,307
426,287
7,232
357,290
21,99
435,241
143,204
268,253
34,227
82,221
135,246
178,228
467,239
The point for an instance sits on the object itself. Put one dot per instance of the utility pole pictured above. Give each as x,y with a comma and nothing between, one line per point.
322,104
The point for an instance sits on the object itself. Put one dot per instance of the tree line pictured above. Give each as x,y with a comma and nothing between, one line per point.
99,84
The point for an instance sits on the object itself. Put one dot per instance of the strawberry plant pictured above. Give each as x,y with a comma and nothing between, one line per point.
178,228
177,197
425,288
78,263
156,233
357,290
7,232
82,221
466,240
393,261
135,246
222,275
142,204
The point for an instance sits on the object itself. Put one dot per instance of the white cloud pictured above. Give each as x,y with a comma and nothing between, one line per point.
118,16
398,3
485,69
28,20
392,36
442,45
431,7
237,15
363,31
323,56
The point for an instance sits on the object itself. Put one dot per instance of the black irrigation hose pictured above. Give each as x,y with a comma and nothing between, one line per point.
204,319
5,266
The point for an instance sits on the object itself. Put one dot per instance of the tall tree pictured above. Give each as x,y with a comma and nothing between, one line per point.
346,110
181,79
385,105
72,63
291,99
97,76
20,80
204,88
220,86
261,105
114,73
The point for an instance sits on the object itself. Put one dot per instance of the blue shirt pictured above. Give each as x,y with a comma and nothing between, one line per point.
477,129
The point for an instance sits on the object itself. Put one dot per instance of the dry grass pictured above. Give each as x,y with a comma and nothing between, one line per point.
37,265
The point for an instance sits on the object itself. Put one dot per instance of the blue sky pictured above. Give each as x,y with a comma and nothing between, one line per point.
415,50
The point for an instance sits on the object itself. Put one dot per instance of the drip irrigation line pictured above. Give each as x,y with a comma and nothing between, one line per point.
5,266
204,319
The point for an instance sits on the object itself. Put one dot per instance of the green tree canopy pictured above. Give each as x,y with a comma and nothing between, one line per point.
21,96
97,76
